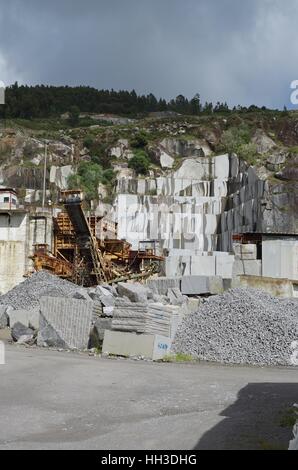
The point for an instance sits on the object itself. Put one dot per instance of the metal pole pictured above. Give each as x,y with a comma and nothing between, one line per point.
44,175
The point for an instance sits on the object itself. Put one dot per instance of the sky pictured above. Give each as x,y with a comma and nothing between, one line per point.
242,52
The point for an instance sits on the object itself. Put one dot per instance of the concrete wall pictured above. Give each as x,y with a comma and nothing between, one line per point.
275,287
18,232
14,231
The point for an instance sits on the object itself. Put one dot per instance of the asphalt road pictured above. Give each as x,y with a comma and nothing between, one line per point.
59,400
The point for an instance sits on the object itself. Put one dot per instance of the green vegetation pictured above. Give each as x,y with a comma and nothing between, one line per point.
140,162
29,102
74,116
179,357
88,177
288,418
139,141
238,140
98,152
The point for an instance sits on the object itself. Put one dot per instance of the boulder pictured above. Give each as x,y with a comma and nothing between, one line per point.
108,311
175,297
262,141
82,294
107,300
135,292
20,330
275,161
26,339
98,331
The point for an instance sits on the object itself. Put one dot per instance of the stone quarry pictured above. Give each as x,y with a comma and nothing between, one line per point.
222,226
153,320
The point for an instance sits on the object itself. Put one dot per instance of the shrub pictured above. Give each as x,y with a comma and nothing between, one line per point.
139,141
140,163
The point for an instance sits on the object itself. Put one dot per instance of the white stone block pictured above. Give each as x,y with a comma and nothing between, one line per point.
153,347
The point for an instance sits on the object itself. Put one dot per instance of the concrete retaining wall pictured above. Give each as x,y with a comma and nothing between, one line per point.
275,287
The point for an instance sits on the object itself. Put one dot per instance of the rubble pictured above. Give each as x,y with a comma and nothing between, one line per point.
98,331
241,326
136,292
27,294
20,331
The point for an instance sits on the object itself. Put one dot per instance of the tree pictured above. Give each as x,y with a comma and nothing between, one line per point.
87,179
195,105
74,116
139,141
140,163
238,140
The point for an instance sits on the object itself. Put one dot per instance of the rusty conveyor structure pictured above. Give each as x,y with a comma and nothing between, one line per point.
78,255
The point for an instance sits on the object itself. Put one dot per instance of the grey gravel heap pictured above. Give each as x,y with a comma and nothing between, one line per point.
242,326
27,294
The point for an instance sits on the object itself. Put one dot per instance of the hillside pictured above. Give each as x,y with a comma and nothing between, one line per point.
102,149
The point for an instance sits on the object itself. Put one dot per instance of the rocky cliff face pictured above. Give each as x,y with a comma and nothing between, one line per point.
190,178
201,204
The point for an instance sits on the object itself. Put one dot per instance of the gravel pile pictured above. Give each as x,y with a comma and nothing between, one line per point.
241,326
27,294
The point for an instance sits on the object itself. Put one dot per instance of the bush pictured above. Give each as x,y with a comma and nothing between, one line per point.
140,163
88,142
74,116
139,141
108,176
87,179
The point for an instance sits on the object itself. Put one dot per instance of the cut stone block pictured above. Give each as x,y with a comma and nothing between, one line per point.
197,285
135,292
153,347
194,285
29,318
248,267
162,284
247,251
3,316
64,322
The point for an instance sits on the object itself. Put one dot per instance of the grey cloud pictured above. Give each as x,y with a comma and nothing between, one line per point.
228,50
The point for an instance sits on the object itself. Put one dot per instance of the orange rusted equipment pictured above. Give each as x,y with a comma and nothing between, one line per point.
83,255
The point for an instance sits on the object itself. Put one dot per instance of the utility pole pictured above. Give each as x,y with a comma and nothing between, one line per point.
44,174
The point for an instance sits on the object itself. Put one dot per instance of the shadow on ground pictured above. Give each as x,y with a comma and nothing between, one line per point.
262,418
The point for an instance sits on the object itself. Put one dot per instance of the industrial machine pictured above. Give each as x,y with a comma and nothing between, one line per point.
86,257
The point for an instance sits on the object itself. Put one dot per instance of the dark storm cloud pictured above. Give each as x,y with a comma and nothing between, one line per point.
241,52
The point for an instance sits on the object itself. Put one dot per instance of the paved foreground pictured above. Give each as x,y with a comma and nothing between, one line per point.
58,400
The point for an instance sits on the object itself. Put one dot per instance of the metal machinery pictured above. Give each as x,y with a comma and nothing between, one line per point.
86,259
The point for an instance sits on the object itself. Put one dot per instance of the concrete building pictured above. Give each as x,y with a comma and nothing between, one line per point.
8,198
19,231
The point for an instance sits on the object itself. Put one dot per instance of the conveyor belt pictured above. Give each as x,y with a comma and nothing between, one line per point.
85,239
